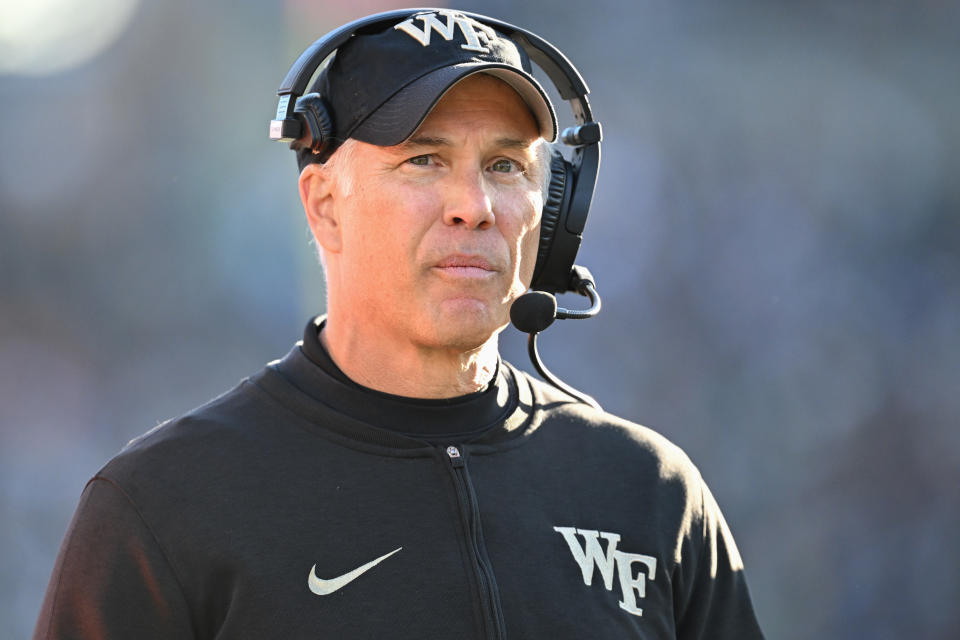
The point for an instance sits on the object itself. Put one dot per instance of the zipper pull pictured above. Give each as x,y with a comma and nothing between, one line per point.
456,459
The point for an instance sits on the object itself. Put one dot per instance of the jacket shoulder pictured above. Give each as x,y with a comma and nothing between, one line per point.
581,427
208,436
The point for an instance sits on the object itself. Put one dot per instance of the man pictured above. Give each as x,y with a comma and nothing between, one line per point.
391,476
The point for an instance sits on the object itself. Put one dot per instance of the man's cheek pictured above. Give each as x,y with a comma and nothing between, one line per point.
528,254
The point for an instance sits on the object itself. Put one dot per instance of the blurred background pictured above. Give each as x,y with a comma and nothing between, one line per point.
775,234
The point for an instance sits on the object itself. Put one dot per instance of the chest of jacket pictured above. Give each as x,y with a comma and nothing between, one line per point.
524,542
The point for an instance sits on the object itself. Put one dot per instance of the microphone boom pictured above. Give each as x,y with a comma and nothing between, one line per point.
534,311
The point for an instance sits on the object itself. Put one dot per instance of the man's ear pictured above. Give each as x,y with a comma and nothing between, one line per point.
316,194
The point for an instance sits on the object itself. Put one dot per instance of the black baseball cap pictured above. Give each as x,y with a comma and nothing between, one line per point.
380,86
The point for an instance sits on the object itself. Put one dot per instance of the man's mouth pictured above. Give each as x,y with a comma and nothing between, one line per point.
465,266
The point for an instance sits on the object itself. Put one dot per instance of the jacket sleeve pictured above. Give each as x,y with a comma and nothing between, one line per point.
713,600
111,578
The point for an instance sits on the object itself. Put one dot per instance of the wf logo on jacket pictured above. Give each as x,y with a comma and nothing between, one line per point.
591,555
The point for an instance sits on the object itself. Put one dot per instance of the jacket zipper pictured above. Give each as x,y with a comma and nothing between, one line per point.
470,513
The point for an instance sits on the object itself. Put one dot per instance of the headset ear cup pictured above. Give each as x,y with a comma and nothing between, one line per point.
556,202
317,118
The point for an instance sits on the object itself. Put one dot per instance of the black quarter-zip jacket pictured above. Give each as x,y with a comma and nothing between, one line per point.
301,505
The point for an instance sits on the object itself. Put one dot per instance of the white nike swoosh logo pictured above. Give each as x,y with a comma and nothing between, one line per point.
323,587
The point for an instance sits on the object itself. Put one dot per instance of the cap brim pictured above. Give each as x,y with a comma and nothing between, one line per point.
397,118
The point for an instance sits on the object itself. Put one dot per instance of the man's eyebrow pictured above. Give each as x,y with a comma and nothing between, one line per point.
433,141
514,143
426,141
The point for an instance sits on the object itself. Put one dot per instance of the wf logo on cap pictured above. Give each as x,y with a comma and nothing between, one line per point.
476,34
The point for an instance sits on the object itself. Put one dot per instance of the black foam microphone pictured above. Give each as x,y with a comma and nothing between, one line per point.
534,311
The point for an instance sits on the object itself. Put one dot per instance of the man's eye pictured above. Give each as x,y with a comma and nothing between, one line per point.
420,161
503,166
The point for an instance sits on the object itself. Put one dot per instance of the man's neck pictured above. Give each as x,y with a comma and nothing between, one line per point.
407,369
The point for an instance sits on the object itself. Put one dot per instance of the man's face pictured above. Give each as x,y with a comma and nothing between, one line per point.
438,235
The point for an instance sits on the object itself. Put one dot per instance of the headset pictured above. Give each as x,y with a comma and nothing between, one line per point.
572,182
567,201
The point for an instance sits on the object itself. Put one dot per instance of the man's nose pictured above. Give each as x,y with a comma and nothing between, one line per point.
468,201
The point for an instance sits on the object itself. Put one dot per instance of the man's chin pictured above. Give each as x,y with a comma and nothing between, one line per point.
466,324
